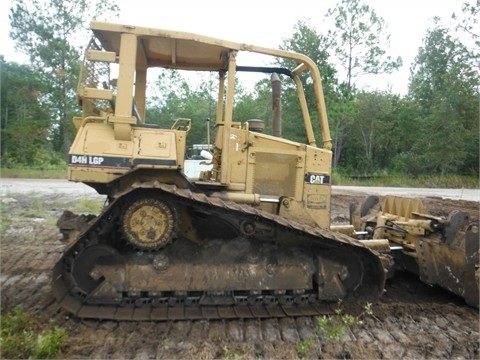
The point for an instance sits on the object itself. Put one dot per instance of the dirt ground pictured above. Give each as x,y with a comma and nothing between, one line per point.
411,320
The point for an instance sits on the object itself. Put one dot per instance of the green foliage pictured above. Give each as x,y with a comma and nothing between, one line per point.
175,98
445,86
360,40
47,30
232,354
20,338
306,40
15,322
37,158
370,117
5,221
467,22
23,172
333,327
384,178
303,347
340,114
255,105
330,327
25,125
376,134
89,206
38,101
430,133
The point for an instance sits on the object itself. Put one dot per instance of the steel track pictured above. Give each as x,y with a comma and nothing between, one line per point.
175,307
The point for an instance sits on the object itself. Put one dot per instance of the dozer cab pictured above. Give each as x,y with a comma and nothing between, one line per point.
250,237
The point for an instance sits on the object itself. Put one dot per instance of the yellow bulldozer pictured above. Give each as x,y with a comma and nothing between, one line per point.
250,236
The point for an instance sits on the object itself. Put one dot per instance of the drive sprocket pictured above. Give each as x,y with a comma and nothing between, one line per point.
148,223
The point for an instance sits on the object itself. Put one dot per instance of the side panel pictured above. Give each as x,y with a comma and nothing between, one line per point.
275,166
277,173
317,185
237,160
299,175
97,156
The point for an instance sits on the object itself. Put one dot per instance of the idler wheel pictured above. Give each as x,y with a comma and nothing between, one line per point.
149,223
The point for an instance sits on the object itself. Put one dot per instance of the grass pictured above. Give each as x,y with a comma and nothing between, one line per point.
5,221
89,206
402,180
394,180
36,211
232,354
332,327
303,347
60,173
335,326
20,337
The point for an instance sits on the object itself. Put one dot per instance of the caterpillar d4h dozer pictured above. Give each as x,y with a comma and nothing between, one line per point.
250,237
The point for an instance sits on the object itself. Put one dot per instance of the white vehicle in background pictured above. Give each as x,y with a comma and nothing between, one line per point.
199,158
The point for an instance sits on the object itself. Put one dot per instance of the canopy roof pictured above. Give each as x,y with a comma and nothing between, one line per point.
181,50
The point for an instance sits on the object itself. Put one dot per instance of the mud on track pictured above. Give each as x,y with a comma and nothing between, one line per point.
412,320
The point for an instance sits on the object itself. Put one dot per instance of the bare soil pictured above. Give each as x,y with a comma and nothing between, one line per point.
411,320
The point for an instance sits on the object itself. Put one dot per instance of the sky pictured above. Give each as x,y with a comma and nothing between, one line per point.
267,22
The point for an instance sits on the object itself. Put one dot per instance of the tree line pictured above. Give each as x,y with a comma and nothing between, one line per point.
432,129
